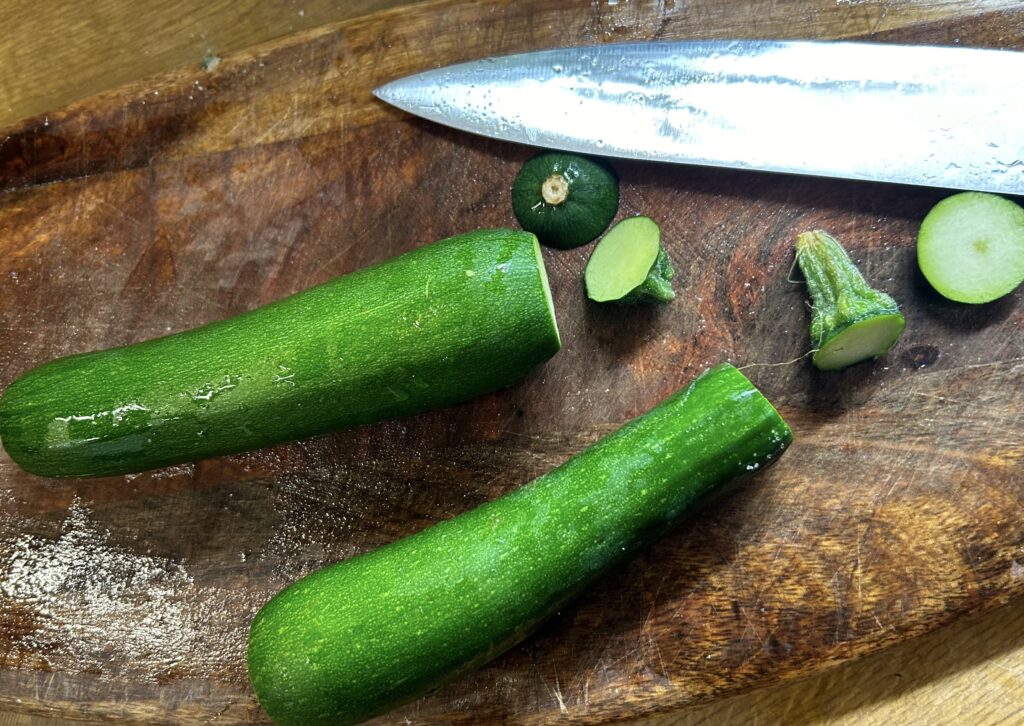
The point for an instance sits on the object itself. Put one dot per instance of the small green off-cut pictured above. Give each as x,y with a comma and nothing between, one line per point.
850,320
565,199
629,265
971,247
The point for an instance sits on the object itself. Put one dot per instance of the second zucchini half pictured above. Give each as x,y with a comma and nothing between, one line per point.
362,636
435,326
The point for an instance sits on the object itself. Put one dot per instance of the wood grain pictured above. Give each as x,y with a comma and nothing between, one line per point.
56,53
186,209
969,672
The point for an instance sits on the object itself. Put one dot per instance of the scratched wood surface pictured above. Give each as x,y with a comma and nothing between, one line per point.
200,194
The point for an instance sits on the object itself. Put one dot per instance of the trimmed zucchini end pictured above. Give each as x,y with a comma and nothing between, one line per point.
629,265
542,273
565,199
970,247
860,341
743,388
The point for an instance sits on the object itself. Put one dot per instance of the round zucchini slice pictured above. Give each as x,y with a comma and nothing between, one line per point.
629,265
971,247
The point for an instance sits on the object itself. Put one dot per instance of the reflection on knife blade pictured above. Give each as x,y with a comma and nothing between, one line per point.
932,116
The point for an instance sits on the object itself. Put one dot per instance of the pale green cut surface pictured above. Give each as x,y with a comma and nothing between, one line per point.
865,340
621,260
545,285
971,247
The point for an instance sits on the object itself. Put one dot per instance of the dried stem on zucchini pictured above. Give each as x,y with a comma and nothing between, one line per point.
850,320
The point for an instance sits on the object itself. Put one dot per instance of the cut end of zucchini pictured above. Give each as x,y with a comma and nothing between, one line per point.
850,320
565,199
783,435
865,340
971,247
629,264
542,272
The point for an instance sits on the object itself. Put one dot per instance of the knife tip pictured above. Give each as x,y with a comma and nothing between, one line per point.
402,93
390,93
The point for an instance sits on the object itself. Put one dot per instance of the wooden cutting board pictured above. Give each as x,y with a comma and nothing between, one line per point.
202,194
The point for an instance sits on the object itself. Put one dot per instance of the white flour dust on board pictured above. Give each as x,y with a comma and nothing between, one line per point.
103,609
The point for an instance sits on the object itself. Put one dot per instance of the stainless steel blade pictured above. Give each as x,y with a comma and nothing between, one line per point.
933,116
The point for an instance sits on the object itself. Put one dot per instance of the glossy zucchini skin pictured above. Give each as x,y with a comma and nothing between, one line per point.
592,190
435,326
359,637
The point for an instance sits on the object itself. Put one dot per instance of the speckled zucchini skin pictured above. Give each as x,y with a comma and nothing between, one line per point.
360,637
591,205
429,328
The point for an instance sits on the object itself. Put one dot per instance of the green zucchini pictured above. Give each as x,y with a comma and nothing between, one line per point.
565,199
629,265
359,637
850,320
971,247
432,327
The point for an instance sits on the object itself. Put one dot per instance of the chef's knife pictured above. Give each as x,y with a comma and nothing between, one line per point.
933,116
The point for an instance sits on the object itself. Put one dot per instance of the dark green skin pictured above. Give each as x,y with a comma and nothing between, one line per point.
357,638
658,285
588,210
432,327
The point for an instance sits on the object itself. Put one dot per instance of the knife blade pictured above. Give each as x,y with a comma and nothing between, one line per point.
925,115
